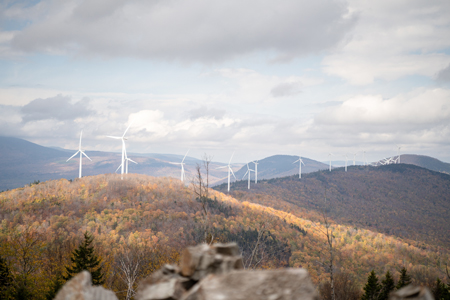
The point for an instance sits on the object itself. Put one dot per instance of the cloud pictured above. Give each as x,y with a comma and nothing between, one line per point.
444,75
58,108
185,30
286,89
418,117
393,40
204,112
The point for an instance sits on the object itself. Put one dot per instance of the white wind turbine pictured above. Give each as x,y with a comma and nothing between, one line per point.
346,161
249,175
126,162
398,152
183,175
300,167
230,171
364,157
122,165
354,158
329,156
256,170
81,155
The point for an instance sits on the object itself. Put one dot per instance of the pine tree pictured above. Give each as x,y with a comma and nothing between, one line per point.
404,280
372,287
441,291
6,280
387,286
84,258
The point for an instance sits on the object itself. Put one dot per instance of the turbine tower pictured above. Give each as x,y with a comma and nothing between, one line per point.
329,156
256,170
122,165
398,152
300,167
354,158
346,161
183,176
230,171
81,155
364,157
249,175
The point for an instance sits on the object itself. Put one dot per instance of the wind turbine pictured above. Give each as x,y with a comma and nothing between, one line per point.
249,175
122,165
230,171
354,158
81,155
256,170
364,157
182,166
126,162
398,152
300,167
329,156
346,160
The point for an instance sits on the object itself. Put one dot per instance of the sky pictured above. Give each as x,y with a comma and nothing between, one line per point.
257,78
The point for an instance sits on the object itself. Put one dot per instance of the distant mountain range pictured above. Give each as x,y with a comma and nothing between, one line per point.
281,166
23,162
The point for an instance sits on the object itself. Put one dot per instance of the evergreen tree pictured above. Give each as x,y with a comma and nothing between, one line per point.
404,280
6,280
387,286
372,287
56,284
84,258
441,291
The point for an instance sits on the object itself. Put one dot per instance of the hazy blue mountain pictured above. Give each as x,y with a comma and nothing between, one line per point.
23,162
280,166
425,162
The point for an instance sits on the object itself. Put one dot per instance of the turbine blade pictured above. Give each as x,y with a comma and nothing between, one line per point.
233,173
81,134
73,155
296,161
127,129
132,160
185,155
114,137
86,155
118,168
244,174
231,157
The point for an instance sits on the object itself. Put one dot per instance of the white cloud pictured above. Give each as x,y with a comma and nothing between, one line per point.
393,39
415,118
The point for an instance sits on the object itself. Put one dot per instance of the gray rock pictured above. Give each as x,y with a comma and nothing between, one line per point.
287,284
164,284
412,292
202,260
80,288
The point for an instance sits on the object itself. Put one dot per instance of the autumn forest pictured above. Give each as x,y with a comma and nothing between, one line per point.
143,222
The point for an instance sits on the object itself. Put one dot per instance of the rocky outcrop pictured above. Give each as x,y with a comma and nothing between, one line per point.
412,292
80,288
216,272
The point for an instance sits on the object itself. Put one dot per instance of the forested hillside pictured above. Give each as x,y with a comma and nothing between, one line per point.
40,226
401,200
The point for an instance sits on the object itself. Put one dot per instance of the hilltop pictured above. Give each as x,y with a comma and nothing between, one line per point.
164,216
401,200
